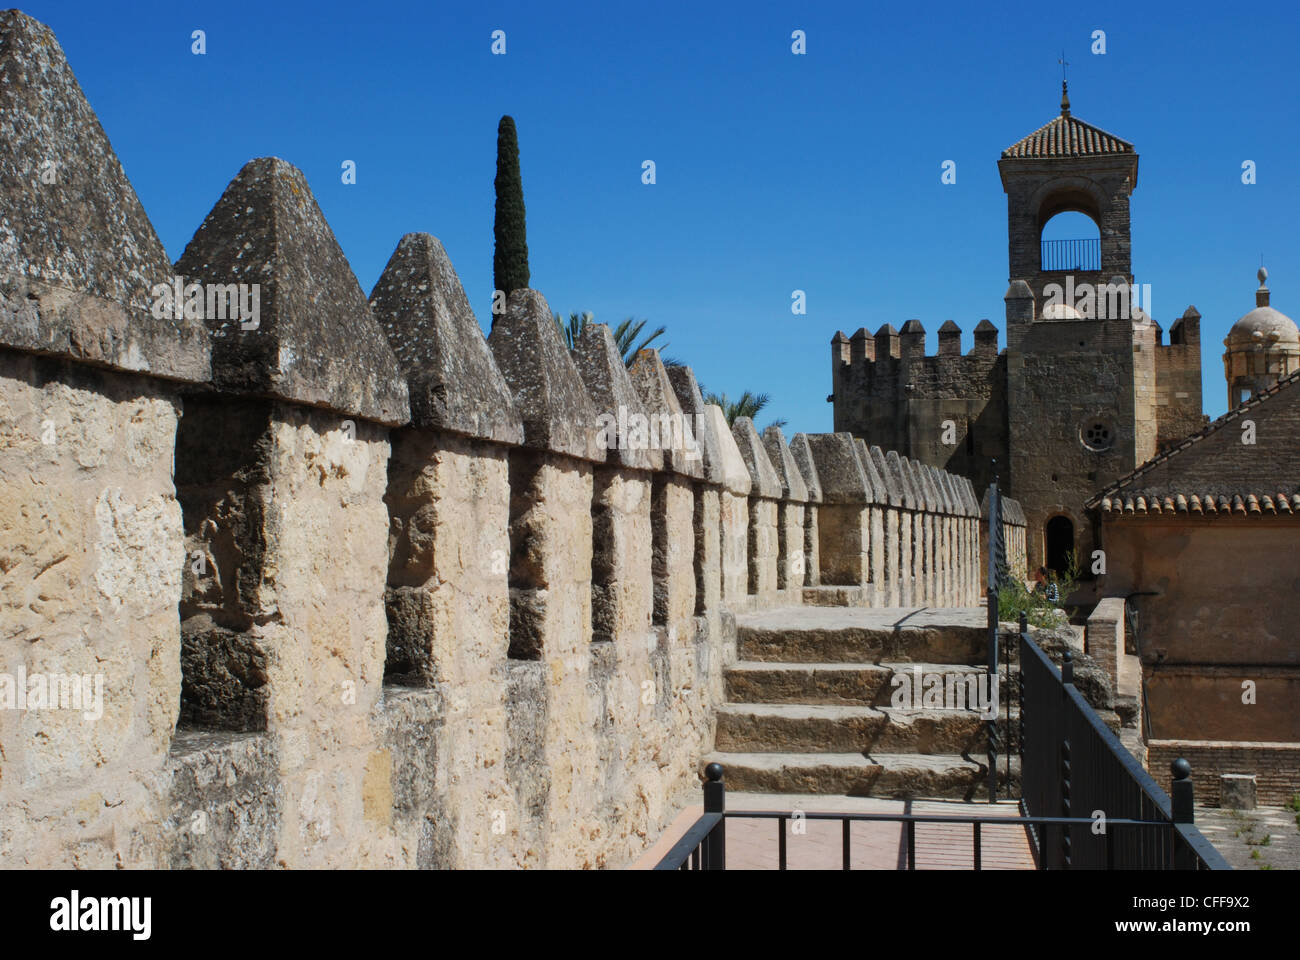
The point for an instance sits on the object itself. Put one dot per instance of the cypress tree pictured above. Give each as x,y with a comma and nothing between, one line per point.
510,259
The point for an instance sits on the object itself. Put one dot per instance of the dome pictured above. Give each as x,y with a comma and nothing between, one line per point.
1264,324
1060,311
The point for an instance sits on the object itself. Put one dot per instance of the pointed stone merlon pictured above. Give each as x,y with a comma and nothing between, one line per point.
691,401
671,429
558,415
846,515
1019,299
79,259
283,462
451,375
797,522
1013,530
949,339
762,538
90,527
766,483
802,454
624,420
314,340
912,340
903,539
458,398
986,338
734,508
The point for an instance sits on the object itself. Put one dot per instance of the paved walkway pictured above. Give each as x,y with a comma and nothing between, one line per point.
752,844
868,618
1267,838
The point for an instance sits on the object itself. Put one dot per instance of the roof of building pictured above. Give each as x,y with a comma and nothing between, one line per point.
1214,472
1067,136
1264,324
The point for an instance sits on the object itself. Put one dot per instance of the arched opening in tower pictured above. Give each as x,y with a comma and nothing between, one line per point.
1070,240
1060,543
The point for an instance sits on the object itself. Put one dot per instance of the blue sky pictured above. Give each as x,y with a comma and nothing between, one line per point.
775,172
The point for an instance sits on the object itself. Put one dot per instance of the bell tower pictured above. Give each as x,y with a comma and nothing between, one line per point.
1068,165
1080,372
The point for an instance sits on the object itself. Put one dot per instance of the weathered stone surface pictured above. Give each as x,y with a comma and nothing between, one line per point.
782,460
674,430
942,498
893,488
316,341
803,458
924,481
687,389
232,780
78,256
735,475
766,481
610,388
954,499
452,378
557,413
894,464
839,469
910,472
91,553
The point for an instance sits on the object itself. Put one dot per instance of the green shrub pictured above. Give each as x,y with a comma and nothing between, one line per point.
1015,598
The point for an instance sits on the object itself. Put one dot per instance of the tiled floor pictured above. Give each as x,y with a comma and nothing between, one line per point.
817,845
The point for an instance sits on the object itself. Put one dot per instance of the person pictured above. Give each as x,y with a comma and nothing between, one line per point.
1045,585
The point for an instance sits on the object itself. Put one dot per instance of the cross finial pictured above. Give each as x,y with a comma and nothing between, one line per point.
1065,91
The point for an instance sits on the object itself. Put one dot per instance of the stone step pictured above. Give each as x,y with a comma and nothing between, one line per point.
757,681
846,684
824,728
899,776
855,635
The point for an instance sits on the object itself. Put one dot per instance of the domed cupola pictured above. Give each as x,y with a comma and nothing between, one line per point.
1263,346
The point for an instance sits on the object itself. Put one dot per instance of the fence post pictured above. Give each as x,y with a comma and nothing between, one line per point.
1182,807
1020,653
715,801
991,727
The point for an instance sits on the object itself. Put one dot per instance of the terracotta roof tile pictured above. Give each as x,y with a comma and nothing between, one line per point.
1066,136
1131,496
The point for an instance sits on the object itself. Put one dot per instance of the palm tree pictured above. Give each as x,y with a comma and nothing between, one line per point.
749,405
625,335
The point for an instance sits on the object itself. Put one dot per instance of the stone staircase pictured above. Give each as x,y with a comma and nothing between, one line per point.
809,704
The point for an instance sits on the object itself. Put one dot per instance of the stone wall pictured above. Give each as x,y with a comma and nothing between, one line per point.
360,586
1275,766
947,410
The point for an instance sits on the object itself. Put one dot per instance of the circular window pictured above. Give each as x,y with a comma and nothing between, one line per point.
1097,435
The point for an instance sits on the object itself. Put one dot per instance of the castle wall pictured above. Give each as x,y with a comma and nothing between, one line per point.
91,551
1064,376
1203,633
364,588
1178,392
947,411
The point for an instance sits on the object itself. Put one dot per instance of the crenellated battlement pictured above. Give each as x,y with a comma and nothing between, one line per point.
361,586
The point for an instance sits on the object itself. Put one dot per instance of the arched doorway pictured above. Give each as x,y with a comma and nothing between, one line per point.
1060,541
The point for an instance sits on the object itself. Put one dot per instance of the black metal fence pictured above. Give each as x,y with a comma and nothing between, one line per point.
1072,765
704,845
1070,254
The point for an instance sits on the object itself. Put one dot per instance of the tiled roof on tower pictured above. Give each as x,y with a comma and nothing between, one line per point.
1067,136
